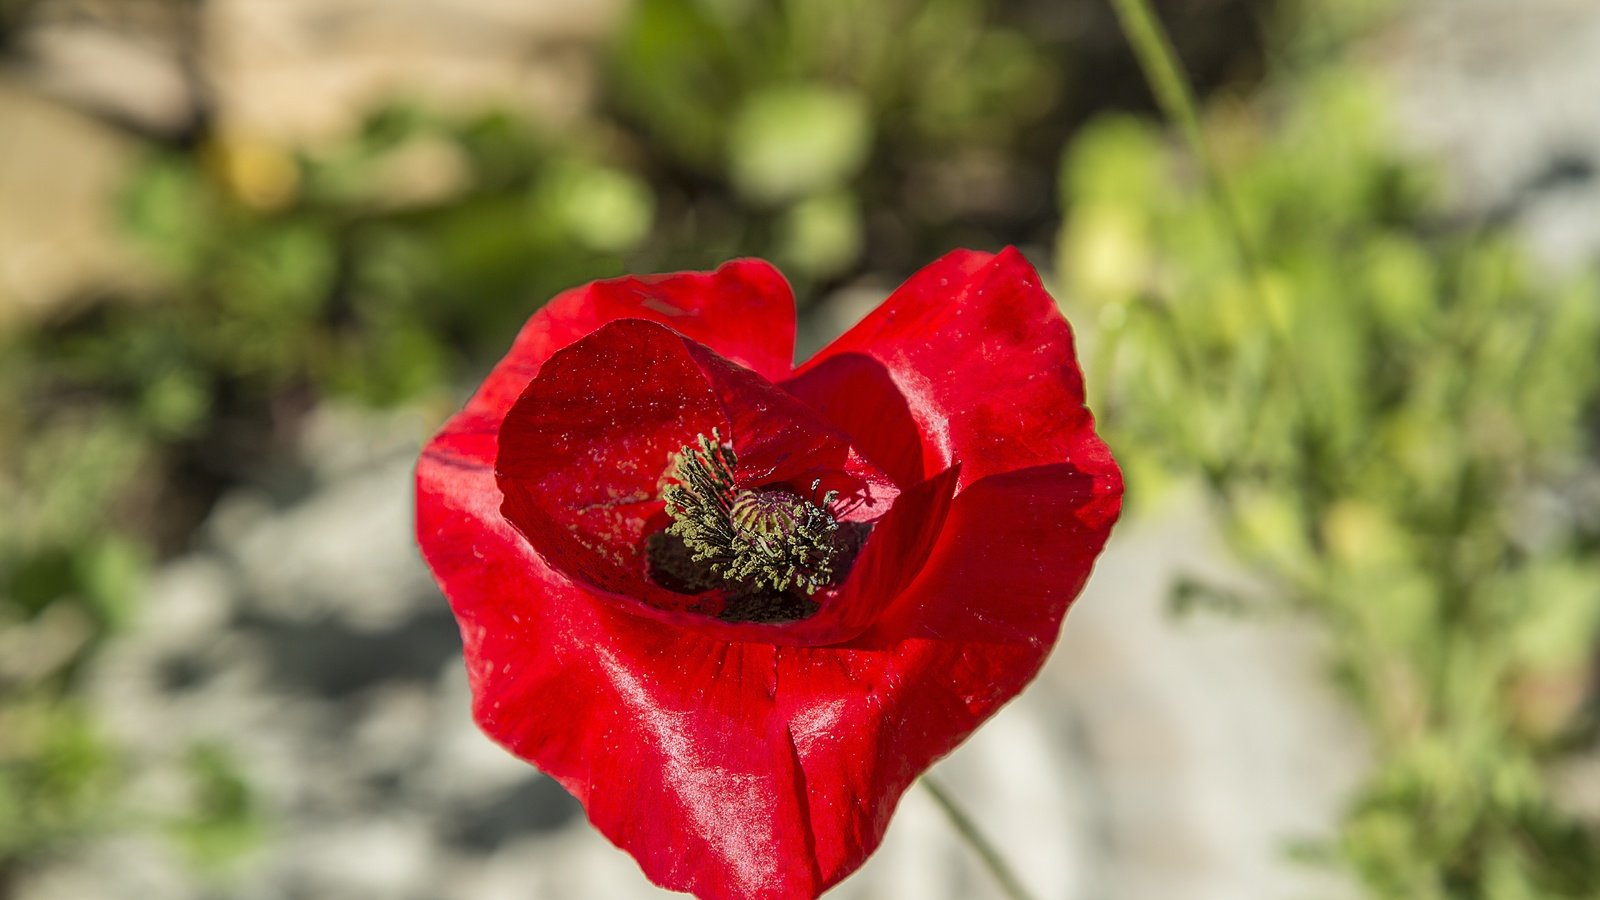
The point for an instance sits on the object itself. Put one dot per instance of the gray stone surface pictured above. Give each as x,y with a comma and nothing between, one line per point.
1504,94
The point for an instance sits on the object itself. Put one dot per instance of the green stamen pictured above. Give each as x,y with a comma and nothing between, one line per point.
756,543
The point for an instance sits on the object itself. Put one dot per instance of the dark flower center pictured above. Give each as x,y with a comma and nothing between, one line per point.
768,550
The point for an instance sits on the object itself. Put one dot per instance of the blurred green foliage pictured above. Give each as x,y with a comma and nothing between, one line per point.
1386,414
57,776
223,822
830,130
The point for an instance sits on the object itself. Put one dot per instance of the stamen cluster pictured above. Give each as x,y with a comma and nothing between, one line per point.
754,541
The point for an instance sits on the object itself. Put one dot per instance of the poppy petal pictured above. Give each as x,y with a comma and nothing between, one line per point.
583,451
856,393
983,364
744,310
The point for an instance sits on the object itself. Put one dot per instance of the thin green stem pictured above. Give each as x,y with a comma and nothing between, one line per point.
969,831
1175,95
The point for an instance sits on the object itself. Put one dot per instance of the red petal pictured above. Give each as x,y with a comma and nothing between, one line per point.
744,311
856,393
979,359
584,449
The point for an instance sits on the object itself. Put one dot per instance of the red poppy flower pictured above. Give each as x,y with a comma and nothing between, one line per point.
736,607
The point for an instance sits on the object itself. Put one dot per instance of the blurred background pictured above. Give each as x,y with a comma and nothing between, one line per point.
252,252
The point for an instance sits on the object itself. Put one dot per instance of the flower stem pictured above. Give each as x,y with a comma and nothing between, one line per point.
1153,48
969,831
1175,95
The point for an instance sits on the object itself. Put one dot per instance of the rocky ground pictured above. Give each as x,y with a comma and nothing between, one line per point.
1503,94
1157,757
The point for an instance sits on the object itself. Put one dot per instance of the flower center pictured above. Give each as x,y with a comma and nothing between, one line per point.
769,550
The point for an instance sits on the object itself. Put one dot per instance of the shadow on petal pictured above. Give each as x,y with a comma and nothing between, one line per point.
857,395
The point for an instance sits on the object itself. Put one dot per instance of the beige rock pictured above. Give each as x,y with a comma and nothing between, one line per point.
307,69
59,171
